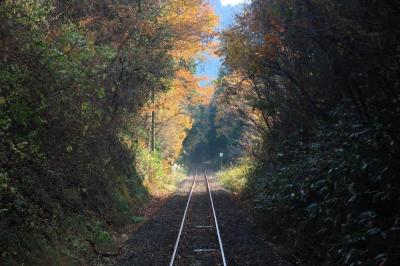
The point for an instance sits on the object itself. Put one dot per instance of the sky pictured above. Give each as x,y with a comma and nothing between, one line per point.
230,2
226,10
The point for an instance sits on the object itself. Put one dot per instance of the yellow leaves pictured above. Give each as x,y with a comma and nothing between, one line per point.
213,48
192,24
173,133
239,81
171,106
186,87
206,94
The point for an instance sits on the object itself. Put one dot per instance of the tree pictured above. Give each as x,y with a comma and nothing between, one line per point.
320,77
75,78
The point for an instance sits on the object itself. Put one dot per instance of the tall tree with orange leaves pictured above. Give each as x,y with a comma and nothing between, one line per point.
192,30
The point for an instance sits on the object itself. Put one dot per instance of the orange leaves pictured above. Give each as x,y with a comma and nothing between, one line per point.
173,120
185,91
206,94
271,45
192,24
171,106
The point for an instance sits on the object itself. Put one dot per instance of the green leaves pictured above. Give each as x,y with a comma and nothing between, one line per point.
101,93
328,191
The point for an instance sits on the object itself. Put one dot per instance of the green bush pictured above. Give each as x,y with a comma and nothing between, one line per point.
235,178
335,197
156,171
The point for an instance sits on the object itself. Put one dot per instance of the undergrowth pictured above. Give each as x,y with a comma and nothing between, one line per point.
332,200
235,178
72,224
157,173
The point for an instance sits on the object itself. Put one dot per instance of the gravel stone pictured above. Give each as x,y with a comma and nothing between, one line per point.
154,242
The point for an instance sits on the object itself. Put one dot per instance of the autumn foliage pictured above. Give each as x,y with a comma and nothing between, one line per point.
76,81
318,80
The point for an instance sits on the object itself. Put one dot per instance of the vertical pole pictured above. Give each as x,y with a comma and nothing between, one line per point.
148,153
153,124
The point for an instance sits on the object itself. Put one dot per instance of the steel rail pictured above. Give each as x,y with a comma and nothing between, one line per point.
215,220
182,223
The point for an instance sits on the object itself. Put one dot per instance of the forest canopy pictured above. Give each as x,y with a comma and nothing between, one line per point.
80,81
100,103
319,82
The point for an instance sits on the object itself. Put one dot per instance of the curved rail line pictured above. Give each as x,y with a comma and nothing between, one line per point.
184,218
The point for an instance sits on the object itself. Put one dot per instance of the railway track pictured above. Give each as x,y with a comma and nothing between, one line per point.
199,240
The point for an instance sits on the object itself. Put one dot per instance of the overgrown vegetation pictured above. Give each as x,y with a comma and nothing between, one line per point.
319,81
157,173
235,178
76,79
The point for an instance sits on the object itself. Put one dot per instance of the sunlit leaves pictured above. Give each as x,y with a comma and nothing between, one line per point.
192,26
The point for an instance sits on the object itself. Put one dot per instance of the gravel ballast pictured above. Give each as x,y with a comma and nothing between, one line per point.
153,243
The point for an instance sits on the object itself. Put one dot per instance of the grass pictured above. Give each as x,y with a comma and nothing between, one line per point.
157,175
234,178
